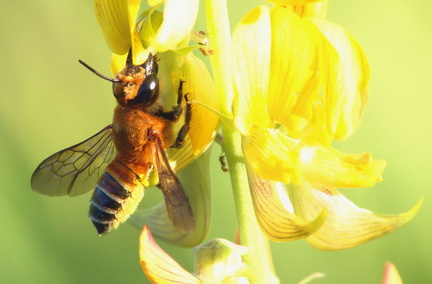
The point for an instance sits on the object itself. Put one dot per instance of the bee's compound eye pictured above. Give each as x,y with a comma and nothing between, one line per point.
148,91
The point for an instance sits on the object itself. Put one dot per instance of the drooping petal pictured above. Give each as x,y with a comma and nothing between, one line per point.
251,44
345,106
178,20
301,60
391,275
117,21
327,166
272,155
346,225
158,266
198,191
274,211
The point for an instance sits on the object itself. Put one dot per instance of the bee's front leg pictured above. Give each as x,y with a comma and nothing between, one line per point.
175,113
185,128
177,110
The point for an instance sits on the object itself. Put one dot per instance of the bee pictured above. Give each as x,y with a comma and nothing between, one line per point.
121,158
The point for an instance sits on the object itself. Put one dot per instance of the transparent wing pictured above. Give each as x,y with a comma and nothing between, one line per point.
177,203
75,170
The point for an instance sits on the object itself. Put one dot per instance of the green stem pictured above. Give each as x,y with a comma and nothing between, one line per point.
259,258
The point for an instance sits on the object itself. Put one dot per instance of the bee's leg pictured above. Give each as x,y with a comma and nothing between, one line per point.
175,113
185,128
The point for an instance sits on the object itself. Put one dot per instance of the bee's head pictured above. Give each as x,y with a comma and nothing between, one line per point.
135,84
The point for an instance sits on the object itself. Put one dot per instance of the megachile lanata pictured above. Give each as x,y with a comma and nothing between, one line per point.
131,149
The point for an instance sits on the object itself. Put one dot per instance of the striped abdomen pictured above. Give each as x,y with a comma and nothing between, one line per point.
116,196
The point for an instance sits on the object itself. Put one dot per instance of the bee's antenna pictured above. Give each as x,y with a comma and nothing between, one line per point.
129,59
97,73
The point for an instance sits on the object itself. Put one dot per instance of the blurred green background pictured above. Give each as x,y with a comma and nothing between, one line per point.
49,101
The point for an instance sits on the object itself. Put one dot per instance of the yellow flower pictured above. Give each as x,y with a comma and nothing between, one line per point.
167,34
300,83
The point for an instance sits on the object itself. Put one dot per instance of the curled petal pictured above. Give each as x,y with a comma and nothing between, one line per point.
298,84
117,21
179,18
198,191
346,225
158,266
274,211
149,23
325,165
272,155
251,57
345,106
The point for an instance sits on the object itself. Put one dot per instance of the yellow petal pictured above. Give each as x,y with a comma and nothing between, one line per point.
117,21
325,165
315,9
272,155
196,182
346,105
391,275
251,45
301,60
153,3
274,211
158,266
117,63
346,225
179,19
292,2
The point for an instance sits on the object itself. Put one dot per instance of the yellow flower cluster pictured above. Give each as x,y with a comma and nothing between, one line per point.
299,83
